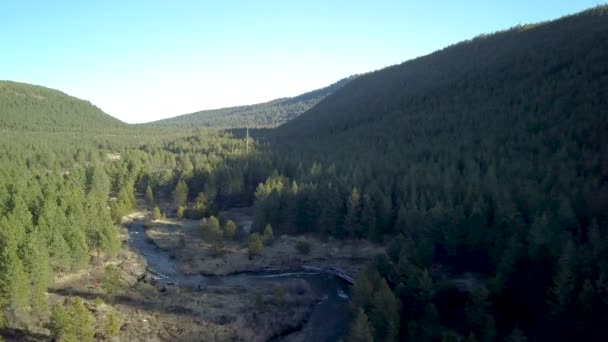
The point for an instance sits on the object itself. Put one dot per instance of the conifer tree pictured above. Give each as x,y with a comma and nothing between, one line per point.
385,313
149,196
180,194
268,237
255,244
361,330
229,229
353,208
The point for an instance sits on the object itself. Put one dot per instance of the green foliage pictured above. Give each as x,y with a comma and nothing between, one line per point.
81,323
229,229
361,330
255,244
112,326
30,107
156,214
59,322
180,194
180,212
74,324
268,237
111,280
149,196
211,230
303,247
385,313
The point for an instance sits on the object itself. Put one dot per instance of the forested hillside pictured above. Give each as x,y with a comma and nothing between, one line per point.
484,165
30,107
268,114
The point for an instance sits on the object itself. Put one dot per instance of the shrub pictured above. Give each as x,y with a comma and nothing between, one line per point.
255,244
180,212
229,229
303,247
156,215
112,327
268,237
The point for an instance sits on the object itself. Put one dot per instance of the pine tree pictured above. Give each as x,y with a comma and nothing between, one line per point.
149,196
81,322
229,229
112,326
180,212
385,313
268,237
36,263
59,323
361,330
255,244
111,280
517,336
211,230
14,282
156,214
180,194
564,281
353,207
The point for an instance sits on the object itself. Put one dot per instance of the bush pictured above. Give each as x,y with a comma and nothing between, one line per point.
303,247
156,215
112,327
255,244
229,229
74,324
111,280
59,322
210,229
268,237
180,213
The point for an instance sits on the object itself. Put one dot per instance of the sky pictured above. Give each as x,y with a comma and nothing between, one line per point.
145,60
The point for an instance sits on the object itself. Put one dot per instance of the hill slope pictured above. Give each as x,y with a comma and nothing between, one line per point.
268,114
530,64
484,166
31,107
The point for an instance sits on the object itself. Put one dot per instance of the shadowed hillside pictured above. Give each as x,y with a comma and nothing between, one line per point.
488,157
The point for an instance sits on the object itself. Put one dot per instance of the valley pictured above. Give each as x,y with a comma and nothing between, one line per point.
457,196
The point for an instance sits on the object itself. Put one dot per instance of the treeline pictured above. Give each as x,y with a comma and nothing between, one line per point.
268,114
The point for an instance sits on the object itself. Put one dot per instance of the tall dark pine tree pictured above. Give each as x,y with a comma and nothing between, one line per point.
180,195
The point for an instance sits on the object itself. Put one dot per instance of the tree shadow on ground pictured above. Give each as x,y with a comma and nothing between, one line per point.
22,335
148,305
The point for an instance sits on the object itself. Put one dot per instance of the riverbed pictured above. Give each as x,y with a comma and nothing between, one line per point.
326,322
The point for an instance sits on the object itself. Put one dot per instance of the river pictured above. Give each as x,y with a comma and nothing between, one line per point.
327,322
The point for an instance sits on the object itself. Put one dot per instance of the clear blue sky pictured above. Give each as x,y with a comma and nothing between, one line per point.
145,60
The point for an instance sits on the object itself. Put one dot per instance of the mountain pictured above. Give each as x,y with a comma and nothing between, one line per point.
532,72
30,107
268,114
484,169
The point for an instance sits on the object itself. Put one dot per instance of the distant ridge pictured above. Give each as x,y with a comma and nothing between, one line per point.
268,114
